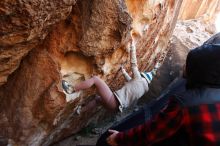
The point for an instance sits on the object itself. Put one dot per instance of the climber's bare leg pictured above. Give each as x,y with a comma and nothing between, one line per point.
134,65
107,98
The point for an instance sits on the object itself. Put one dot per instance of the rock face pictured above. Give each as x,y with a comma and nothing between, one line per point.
207,11
199,8
43,42
23,25
187,35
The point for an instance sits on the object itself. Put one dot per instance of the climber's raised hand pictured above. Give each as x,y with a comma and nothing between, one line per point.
134,65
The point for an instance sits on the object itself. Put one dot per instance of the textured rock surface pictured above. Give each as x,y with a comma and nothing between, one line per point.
187,35
207,9
23,25
30,100
92,40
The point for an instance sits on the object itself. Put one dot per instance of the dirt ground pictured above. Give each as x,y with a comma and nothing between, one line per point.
89,135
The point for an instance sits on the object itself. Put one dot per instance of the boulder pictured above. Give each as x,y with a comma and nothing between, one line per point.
43,42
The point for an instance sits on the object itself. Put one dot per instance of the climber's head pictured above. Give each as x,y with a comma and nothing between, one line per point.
203,65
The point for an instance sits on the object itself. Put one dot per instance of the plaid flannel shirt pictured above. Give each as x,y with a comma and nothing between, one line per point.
202,125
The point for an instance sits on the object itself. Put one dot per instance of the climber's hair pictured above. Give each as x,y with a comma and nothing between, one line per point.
203,65
215,40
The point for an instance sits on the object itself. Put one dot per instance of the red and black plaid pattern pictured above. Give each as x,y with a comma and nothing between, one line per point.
202,124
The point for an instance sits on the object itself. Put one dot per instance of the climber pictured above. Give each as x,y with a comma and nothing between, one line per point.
118,100
193,112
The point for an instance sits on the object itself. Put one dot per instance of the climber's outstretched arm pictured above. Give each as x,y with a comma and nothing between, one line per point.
134,65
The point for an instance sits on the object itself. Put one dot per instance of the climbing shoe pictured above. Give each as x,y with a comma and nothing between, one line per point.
67,87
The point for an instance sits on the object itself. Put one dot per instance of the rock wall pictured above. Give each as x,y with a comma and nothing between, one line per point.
194,9
23,25
187,35
43,42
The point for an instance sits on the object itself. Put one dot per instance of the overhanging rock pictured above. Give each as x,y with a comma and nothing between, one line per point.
56,42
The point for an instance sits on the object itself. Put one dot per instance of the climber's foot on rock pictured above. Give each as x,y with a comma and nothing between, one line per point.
67,87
